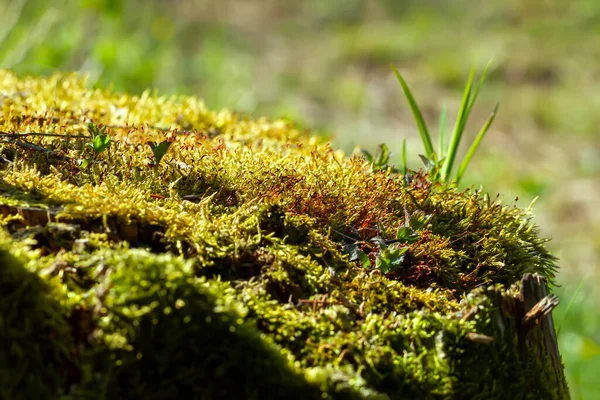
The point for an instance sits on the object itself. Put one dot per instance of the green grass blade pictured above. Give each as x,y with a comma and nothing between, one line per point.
442,133
479,84
404,164
475,145
459,126
425,137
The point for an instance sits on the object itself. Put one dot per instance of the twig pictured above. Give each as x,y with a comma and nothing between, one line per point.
18,135
479,338
344,235
34,147
357,310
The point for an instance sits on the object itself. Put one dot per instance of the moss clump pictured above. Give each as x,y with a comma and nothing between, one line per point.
161,331
36,359
221,271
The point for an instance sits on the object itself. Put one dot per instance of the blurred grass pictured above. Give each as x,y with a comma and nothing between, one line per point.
326,65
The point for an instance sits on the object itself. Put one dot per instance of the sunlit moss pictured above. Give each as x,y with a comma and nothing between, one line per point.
220,271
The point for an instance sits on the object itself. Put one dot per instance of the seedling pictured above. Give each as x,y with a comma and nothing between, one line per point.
379,161
357,254
159,150
389,253
390,257
100,140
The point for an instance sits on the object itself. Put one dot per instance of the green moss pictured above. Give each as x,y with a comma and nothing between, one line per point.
165,334
220,272
36,349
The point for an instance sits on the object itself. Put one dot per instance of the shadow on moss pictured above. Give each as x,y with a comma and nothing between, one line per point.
35,344
164,334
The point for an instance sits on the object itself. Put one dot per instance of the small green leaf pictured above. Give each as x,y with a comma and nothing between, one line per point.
352,250
355,254
383,155
367,155
383,265
364,259
397,255
92,129
160,150
429,164
95,130
407,234
100,143
83,163
390,259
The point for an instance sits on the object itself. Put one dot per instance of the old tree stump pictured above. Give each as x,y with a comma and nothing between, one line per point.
249,261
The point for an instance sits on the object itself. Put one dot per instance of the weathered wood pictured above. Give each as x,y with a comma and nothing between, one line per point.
537,336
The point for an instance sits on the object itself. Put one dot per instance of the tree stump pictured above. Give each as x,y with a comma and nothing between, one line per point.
530,313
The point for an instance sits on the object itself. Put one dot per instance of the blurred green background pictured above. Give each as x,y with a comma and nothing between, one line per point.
326,64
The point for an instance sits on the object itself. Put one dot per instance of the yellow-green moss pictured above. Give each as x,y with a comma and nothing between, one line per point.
220,271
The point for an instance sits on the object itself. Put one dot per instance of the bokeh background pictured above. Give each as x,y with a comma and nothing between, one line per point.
326,65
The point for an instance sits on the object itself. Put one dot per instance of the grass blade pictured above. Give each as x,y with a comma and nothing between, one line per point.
475,145
479,84
442,132
459,127
404,164
425,137
383,155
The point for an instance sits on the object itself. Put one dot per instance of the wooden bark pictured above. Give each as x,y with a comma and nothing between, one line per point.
537,336
530,314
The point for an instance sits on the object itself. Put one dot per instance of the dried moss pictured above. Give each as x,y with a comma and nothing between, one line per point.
220,271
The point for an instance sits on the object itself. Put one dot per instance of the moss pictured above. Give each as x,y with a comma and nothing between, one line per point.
36,350
220,271
164,334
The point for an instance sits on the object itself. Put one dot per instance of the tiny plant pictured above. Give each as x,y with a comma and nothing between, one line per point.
159,150
440,164
389,256
100,140
389,253
379,161
99,136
